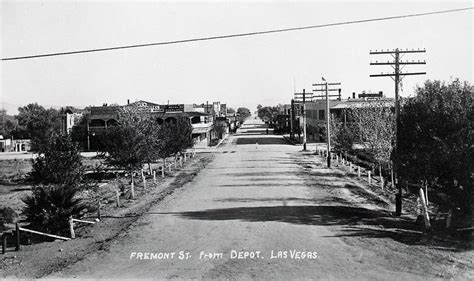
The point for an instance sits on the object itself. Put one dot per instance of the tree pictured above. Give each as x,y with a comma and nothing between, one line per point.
9,127
152,142
79,131
230,110
57,174
242,114
268,113
139,139
220,128
435,142
8,124
59,162
126,145
176,137
40,123
374,124
342,136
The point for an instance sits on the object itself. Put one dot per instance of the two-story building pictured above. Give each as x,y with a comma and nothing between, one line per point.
102,117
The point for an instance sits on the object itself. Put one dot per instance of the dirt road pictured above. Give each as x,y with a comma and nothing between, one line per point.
264,211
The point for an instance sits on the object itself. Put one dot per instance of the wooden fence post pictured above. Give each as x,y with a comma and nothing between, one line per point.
381,176
426,216
117,198
358,171
350,166
17,238
4,242
448,220
99,216
162,171
71,228
154,176
185,157
391,174
181,162
426,194
144,180
132,191
368,177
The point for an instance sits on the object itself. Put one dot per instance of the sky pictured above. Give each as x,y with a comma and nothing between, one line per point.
245,71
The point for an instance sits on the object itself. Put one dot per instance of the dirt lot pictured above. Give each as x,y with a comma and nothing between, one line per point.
14,183
43,258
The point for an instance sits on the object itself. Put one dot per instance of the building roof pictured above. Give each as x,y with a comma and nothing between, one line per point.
143,103
165,115
104,110
359,103
71,109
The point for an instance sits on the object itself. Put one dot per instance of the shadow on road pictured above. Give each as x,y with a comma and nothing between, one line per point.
262,140
284,200
260,174
251,133
257,185
358,222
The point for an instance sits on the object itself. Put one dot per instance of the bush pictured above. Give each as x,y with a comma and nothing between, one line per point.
343,139
435,141
48,209
59,162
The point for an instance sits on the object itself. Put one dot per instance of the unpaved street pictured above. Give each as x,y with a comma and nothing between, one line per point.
293,217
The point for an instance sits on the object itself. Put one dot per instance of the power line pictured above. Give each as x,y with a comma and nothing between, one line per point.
235,35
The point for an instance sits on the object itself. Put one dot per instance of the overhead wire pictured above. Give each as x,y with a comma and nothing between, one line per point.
234,35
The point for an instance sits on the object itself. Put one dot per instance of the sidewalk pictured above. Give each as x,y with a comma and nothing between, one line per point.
310,145
202,146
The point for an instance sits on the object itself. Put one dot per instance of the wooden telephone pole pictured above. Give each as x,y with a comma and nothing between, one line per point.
328,115
292,118
302,97
397,76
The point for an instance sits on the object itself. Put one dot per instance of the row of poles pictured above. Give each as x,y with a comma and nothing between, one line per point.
397,65
302,97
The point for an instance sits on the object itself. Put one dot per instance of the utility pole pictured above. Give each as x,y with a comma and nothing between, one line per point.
328,115
303,96
3,119
88,136
292,117
397,77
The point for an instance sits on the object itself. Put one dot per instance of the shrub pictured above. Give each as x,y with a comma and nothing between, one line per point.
48,209
342,137
436,144
59,162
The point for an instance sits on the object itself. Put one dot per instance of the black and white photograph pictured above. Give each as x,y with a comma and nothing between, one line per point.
237,140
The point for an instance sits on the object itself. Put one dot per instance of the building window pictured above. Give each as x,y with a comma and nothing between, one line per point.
321,115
